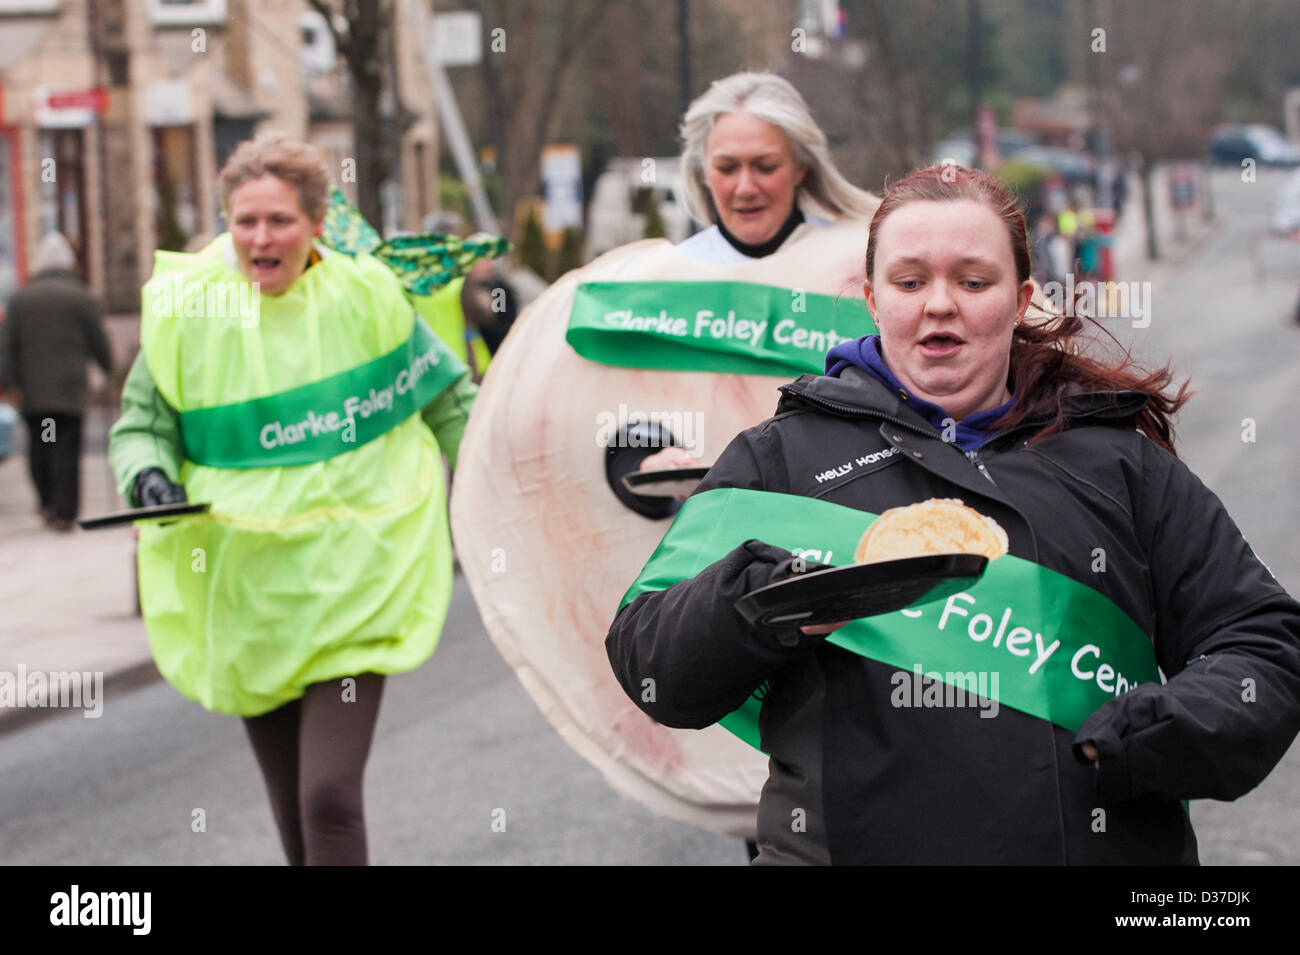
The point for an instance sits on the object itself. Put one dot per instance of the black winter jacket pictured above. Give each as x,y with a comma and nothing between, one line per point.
854,779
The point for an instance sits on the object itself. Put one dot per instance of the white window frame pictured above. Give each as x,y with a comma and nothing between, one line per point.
194,13
9,7
322,59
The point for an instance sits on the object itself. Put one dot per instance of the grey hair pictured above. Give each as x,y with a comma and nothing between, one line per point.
54,252
772,99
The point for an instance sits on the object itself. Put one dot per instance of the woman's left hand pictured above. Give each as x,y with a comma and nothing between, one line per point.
671,457
1091,753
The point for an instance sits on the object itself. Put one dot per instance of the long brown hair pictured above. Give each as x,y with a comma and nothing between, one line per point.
1047,359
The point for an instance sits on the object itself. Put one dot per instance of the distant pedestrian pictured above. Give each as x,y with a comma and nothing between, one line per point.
1119,190
53,328
490,303
1295,234
1044,235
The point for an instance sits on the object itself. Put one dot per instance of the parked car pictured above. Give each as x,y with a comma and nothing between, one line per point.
960,146
1229,145
1076,168
1286,208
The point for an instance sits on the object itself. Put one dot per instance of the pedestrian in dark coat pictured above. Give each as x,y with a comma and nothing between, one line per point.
53,327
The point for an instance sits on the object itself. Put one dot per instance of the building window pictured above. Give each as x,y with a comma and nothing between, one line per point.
62,202
317,54
187,13
10,250
28,6
176,208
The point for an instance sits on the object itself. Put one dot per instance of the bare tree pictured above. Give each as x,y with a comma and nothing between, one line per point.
1160,94
362,31
882,116
633,78
523,71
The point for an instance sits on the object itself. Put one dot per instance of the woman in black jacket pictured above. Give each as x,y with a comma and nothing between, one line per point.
1083,755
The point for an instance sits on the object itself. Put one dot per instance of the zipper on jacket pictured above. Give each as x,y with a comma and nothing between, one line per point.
974,457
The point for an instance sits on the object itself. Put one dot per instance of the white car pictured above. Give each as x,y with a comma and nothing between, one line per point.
1231,144
614,217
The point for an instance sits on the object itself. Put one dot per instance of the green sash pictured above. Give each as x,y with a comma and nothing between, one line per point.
1058,649
317,421
737,327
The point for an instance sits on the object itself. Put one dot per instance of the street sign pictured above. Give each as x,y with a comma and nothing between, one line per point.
94,99
561,178
68,109
1182,187
458,38
167,103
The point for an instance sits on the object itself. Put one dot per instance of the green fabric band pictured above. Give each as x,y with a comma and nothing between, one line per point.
736,327
1030,638
332,416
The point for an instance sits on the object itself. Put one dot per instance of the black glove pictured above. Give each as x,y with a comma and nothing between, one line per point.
152,487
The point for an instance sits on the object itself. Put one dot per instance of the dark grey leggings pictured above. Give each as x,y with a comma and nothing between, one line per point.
313,756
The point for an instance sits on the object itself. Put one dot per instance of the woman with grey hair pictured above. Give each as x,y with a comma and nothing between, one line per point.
758,172
757,167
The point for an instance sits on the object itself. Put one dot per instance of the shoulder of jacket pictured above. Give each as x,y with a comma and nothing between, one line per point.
775,424
1091,446
1155,457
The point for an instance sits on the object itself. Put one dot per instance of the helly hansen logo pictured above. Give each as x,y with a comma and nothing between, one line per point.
864,461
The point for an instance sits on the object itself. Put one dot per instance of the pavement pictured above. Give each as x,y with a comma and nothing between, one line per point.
68,601
1179,234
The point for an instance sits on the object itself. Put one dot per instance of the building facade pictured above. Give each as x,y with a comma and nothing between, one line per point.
116,116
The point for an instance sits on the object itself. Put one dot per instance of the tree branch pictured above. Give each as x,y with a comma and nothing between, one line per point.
341,43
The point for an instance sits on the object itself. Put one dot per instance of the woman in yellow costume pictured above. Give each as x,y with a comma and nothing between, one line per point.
294,388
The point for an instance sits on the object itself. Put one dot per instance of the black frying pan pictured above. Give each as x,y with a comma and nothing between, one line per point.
862,590
118,518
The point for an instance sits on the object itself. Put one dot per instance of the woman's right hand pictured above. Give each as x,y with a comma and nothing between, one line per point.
821,629
153,487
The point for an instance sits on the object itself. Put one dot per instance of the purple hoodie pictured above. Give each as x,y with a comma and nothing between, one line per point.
972,430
